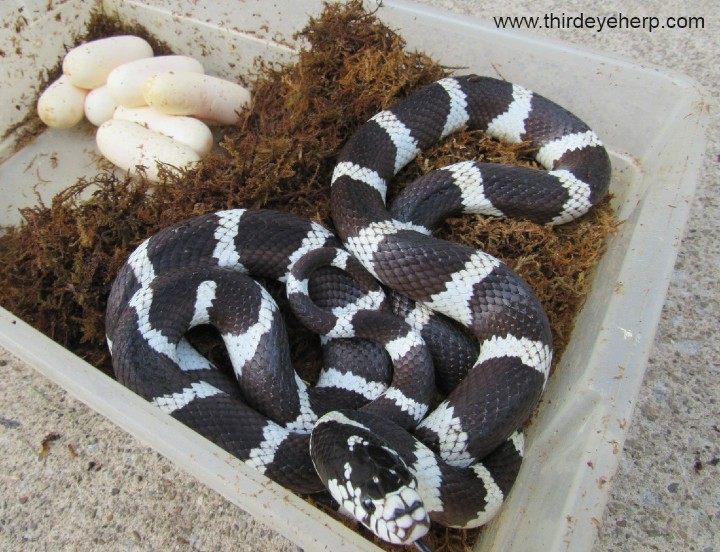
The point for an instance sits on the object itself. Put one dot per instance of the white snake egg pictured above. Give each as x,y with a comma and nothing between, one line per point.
186,130
183,93
126,81
99,105
88,65
127,145
62,105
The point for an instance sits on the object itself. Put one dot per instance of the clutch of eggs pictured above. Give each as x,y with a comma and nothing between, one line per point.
149,110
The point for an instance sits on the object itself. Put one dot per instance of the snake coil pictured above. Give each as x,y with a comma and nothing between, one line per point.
363,431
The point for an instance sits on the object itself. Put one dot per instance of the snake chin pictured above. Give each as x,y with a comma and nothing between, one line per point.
377,489
398,517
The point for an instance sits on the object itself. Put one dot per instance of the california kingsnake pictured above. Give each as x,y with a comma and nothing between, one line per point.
374,468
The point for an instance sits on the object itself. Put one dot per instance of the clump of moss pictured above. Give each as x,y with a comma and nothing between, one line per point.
283,152
56,268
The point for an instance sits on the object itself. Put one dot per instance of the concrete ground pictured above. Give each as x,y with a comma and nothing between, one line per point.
100,489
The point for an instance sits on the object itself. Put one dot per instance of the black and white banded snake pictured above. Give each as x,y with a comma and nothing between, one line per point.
374,446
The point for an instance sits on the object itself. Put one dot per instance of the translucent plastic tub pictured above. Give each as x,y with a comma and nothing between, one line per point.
651,121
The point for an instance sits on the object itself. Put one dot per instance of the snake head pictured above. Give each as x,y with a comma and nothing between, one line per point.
372,483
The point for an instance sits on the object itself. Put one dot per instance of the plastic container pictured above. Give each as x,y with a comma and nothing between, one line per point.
651,121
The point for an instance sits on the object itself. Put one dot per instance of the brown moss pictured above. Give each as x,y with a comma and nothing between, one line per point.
283,152
57,267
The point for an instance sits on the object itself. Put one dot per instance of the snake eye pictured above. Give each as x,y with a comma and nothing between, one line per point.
369,506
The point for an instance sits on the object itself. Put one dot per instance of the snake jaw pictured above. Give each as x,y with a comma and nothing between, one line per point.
378,490
399,517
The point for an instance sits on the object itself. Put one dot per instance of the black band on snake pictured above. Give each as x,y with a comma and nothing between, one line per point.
363,431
